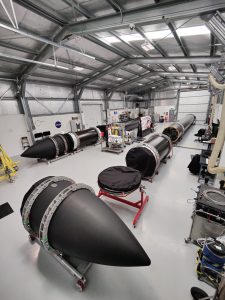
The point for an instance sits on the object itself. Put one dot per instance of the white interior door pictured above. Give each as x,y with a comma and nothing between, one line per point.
194,102
92,115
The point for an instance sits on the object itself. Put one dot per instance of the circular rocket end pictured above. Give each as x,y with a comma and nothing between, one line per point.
143,160
172,133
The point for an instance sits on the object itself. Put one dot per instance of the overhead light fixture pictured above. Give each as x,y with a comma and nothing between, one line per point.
147,46
132,37
158,35
191,31
119,78
140,83
125,37
153,87
77,68
172,68
188,31
61,67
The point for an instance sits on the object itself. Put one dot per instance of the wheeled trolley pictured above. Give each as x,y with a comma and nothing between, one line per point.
77,268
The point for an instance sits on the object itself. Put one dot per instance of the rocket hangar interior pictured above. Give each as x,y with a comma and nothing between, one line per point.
112,157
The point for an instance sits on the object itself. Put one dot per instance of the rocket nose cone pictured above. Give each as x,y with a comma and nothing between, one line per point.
29,152
133,255
85,227
41,149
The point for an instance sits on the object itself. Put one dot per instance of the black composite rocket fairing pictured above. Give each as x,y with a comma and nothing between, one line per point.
60,144
70,219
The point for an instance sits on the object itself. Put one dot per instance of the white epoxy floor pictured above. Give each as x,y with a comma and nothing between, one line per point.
29,273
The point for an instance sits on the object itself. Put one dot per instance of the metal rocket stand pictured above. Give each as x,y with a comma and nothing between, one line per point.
8,167
139,204
78,271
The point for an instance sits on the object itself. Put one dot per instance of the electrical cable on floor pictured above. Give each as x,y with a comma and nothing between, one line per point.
192,148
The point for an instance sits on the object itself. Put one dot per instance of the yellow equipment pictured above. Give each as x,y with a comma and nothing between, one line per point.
8,167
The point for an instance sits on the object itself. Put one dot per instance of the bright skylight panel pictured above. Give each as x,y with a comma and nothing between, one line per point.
191,31
132,37
159,35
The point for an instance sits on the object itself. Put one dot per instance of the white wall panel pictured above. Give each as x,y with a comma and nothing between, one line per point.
12,128
9,107
45,107
92,94
7,85
118,96
161,110
47,91
170,102
45,123
116,104
195,102
92,115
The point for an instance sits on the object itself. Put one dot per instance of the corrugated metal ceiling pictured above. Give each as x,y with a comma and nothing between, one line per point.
45,18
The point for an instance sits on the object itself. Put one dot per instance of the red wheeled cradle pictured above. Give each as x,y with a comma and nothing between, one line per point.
114,193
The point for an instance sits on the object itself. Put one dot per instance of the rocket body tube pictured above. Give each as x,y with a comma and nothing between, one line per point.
146,157
176,130
61,144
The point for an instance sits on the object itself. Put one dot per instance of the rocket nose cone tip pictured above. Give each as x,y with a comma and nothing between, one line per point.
25,153
31,152
145,260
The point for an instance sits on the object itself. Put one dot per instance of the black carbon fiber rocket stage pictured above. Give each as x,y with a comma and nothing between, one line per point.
176,130
146,157
71,219
132,124
61,144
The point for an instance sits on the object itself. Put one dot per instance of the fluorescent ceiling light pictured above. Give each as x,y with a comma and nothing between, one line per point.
147,46
61,67
77,68
125,37
110,39
153,87
119,78
132,37
140,83
160,34
191,31
172,68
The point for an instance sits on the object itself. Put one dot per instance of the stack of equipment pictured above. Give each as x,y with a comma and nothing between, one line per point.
115,138
211,262
208,218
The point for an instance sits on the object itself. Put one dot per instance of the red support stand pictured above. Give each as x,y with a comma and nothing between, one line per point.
139,204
